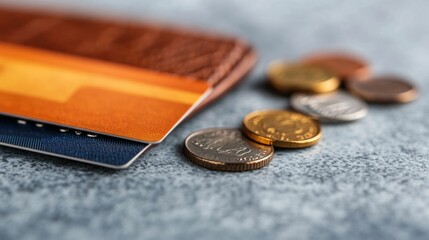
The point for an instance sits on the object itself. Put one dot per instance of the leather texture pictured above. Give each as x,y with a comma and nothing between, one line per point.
221,61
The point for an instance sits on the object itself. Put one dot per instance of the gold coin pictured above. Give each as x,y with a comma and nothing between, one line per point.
298,77
282,128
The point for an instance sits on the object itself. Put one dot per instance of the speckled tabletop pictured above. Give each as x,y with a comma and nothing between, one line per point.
365,180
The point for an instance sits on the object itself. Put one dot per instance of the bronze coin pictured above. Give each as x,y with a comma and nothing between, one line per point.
345,66
384,89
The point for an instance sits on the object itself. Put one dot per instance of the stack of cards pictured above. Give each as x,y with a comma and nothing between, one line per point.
102,92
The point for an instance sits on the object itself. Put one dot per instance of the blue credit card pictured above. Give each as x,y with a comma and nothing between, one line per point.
80,146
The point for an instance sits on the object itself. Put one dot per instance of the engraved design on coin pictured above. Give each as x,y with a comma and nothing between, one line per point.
333,107
226,146
282,128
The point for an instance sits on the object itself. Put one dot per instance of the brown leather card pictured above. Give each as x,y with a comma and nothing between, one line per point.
219,60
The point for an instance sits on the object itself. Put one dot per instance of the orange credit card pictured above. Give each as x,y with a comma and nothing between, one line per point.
93,95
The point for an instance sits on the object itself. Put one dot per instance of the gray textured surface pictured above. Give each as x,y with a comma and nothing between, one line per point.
366,180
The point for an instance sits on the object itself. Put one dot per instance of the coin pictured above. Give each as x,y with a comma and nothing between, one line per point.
384,89
330,107
226,150
282,128
297,77
343,65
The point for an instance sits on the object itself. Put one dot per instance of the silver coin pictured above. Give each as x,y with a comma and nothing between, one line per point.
226,149
332,107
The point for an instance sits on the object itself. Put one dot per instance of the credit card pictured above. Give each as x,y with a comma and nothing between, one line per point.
71,144
93,95
120,79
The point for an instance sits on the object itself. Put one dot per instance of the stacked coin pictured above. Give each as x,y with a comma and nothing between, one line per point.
315,82
336,105
251,148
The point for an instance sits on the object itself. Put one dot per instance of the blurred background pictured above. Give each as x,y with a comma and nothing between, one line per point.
280,29
367,180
